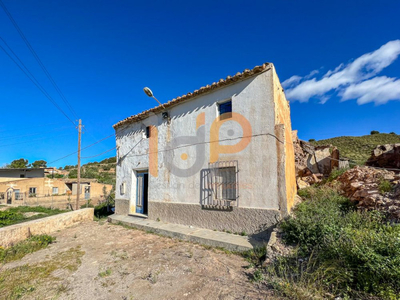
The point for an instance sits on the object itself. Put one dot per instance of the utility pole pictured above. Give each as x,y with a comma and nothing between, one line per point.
78,186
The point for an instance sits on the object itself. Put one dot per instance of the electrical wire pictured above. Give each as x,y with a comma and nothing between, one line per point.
38,85
37,58
99,153
209,142
29,141
31,134
68,155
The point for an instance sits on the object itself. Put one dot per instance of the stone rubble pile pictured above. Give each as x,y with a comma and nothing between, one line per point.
361,185
313,162
385,156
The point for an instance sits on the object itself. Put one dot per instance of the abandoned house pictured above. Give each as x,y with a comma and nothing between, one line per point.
220,157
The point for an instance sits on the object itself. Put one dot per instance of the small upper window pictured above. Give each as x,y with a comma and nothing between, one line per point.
225,107
147,132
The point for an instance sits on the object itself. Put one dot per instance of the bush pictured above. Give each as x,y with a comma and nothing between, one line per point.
374,132
8,217
384,186
311,140
341,251
101,210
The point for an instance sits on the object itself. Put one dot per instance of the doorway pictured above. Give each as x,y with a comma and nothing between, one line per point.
142,186
9,196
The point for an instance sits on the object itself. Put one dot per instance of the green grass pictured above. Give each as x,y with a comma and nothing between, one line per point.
36,280
21,249
341,252
359,148
105,273
14,215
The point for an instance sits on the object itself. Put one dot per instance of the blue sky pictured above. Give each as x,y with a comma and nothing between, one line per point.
102,53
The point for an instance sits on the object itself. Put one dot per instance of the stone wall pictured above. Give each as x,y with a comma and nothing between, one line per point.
13,234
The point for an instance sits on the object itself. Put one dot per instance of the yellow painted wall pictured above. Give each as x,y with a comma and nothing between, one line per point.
282,116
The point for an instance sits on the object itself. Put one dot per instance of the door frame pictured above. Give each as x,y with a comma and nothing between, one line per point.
134,190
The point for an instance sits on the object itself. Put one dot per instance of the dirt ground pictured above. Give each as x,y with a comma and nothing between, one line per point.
98,260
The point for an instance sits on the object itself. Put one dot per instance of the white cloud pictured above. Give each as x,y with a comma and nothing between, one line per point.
291,81
379,90
350,80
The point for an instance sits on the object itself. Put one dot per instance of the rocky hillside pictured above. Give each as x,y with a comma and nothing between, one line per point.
359,148
103,171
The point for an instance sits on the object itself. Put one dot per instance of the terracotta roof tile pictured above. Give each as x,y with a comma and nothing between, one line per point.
222,82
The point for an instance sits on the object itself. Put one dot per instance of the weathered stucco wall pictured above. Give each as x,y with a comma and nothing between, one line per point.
10,235
239,220
251,98
282,117
41,185
175,168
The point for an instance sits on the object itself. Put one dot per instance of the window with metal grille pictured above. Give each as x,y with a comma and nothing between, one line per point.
55,190
225,183
219,184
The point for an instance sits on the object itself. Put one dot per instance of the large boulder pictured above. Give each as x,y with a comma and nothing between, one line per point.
385,156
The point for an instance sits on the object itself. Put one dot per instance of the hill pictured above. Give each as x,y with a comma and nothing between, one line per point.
103,171
359,148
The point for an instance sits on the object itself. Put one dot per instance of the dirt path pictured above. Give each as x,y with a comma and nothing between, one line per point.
104,261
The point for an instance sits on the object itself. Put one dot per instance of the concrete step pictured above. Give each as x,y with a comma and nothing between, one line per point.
201,236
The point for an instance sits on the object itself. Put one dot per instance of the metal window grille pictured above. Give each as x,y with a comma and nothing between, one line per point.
222,184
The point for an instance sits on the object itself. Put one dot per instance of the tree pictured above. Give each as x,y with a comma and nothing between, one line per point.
39,164
19,164
374,132
311,140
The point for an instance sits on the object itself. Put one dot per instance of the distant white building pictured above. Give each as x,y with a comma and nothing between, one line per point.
219,158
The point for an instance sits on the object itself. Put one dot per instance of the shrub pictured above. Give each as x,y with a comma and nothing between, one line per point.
311,140
384,186
341,251
102,210
9,217
374,132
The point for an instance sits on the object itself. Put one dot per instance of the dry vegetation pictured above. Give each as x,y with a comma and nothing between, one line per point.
359,148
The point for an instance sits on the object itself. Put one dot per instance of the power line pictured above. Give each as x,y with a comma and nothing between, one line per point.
17,128
209,142
43,138
35,82
37,58
99,153
88,165
30,134
68,155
